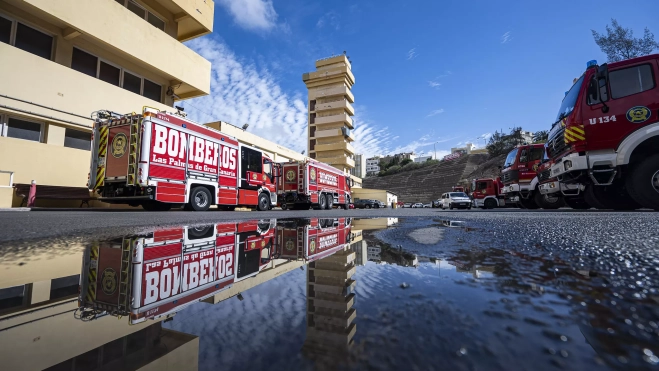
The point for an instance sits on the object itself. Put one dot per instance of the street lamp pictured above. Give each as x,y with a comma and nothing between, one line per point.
435,147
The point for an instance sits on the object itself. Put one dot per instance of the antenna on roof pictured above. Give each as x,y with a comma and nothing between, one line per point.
245,126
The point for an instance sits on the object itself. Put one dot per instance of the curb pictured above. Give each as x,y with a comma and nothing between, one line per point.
15,209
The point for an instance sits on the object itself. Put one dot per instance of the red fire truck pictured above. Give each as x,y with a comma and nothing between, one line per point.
312,239
310,183
519,177
487,193
606,134
158,274
159,160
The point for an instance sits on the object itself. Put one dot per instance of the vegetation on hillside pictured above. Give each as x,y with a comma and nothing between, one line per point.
405,165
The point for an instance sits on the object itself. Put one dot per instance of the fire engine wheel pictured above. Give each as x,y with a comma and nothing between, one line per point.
264,202
527,203
322,201
284,206
613,196
643,182
577,203
330,202
156,206
200,199
548,202
489,203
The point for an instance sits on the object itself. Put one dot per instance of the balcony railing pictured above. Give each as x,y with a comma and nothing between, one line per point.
343,117
343,103
335,91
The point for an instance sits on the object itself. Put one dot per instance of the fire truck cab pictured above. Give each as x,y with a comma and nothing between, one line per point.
158,160
487,193
606,134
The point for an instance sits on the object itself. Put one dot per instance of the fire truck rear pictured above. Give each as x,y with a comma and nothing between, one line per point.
310,183
312,239
519,176
159,160
157,275
606,134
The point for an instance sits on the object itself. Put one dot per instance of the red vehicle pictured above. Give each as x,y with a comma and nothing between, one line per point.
572,194
458,189
310,183
519,177
606,134
312,239
487,193
159,160
156,275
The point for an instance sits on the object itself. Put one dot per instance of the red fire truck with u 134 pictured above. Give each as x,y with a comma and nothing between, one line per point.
606,134
159,160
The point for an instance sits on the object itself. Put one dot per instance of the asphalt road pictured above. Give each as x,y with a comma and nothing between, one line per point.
30,225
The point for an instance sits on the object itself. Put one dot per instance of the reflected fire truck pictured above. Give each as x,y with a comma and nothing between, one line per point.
155,275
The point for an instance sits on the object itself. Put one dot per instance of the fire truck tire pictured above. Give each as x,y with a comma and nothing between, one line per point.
489,204
548,203
330,202
577,203
200,199
264,202
156,206
614,197
284,206
322,201
643,182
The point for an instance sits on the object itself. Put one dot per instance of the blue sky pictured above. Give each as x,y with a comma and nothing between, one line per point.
426,71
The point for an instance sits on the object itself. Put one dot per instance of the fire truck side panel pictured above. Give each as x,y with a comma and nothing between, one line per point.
325,241
117,152
287,241
107,278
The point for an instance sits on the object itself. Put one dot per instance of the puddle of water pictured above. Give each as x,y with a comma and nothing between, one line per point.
308,293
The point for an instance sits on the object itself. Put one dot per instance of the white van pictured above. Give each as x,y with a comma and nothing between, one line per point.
452,200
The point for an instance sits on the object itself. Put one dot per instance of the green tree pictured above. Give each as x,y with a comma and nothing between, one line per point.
540,136
405,162
619,43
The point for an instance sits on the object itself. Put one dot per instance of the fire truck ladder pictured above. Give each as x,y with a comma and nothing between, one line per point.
133,150
300,179
124,275
300,242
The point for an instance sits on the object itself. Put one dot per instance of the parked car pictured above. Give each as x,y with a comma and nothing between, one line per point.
426,206
409,204
452,200
381,204
436,203
366,204
417,205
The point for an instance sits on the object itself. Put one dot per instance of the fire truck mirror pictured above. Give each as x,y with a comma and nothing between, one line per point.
593,90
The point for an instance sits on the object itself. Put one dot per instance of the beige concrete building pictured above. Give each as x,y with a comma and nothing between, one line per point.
64,59
330,112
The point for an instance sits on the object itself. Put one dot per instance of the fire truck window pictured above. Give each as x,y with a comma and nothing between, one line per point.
22,129
267,168
631,80
481,185
250,161
77,139
536,154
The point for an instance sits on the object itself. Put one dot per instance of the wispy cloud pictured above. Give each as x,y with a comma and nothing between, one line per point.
434,84
435,112
506,38
330,20
412,54
254,15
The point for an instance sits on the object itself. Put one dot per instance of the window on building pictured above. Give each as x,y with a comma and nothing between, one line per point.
26,38
64,287
109,73
152,90
13,297
33,41
92,65
84,62
132,83
5,30
77,139
631,80
23,129
143,13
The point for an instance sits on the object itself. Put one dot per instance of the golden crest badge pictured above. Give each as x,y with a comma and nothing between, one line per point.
265,177
312,174
119,144
312,246
290,245
290,175
638,114
254,176
262,243
109,281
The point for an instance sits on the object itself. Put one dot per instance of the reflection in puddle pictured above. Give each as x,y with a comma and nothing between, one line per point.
421,295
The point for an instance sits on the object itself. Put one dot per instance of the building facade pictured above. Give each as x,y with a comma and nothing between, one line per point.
373,165
466,149
65,59
399,157
330,112
422,159
360,166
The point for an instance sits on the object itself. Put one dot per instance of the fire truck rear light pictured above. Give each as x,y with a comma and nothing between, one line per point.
567,164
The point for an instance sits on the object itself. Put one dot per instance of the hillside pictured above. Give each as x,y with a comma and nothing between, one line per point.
428,183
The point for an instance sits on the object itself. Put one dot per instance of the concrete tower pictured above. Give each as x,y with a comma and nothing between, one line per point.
330,112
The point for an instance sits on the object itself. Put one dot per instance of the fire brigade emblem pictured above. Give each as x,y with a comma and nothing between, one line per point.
119,144
252,245
535,167
254,176
290,175
263,243
264,177
290,245
312,174
638,114
312,246
109,281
